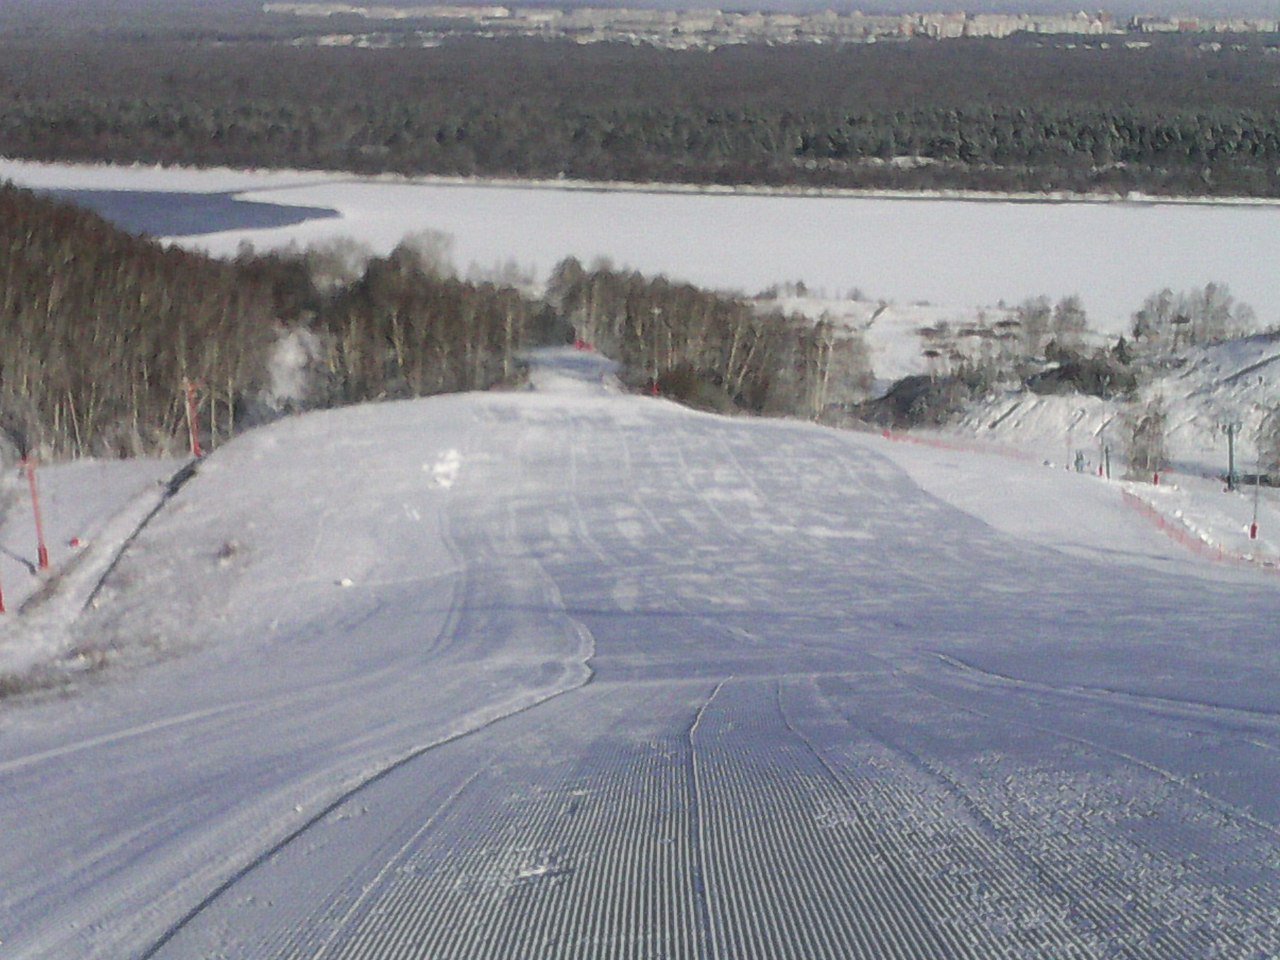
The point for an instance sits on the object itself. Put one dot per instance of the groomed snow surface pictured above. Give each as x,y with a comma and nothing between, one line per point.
569,673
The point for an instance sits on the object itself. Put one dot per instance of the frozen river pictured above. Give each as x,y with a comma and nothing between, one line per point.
944,251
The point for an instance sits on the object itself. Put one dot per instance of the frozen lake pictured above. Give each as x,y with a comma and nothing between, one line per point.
940,250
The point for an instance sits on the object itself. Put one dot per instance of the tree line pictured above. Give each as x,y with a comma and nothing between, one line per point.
101,332
972,114
713,351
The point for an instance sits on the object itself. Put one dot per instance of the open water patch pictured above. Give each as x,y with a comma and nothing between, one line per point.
171,214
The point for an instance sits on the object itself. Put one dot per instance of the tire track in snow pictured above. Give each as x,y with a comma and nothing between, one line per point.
1011,888
664,529
391,863
463,588
623,578
1020,842
159,944
245,708
240,710
1078,837
785,881
888,846
1108,694
1226,808
473,588
553,858
667,534
697,837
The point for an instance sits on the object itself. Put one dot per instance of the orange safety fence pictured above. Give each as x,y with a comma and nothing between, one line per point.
960,446
1181,534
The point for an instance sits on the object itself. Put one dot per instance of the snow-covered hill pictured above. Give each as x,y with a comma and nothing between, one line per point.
1233,382
569,672
1236,382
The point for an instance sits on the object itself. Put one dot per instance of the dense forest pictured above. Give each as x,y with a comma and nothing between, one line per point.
1001,115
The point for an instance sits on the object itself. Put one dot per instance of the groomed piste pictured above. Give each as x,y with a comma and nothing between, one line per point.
563,672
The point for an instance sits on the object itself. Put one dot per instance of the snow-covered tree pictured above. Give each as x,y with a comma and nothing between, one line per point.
837,366
1151,320
1269,443
1144,438
1069,323
1034,316
1205,315
336,263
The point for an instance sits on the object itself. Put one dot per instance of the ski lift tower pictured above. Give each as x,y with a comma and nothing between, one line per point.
1232,430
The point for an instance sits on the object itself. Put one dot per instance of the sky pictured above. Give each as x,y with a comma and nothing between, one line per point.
1119,7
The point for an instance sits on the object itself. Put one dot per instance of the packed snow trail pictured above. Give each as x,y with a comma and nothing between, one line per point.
829,714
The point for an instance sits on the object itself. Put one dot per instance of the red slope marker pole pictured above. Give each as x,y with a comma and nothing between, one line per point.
193,421
42,551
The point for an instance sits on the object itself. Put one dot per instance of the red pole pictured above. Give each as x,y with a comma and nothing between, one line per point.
193,421
42,551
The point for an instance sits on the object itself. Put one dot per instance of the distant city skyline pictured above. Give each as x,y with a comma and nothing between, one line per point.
1119,8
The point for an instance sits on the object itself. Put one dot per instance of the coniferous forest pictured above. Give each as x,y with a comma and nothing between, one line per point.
1172,117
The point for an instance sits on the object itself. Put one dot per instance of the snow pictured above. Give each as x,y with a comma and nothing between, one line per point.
892,332
88,510
444,472
1191,503
88,176
963,252
1216,385
643,680
564,670
292,354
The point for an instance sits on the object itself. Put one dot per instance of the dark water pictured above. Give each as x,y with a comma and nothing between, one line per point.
162,214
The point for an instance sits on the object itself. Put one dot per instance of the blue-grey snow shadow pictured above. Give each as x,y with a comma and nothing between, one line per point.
164,214
585,365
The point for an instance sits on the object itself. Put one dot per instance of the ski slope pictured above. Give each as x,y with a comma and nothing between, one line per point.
569,673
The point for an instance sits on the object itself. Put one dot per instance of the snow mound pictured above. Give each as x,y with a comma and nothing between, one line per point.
444,472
